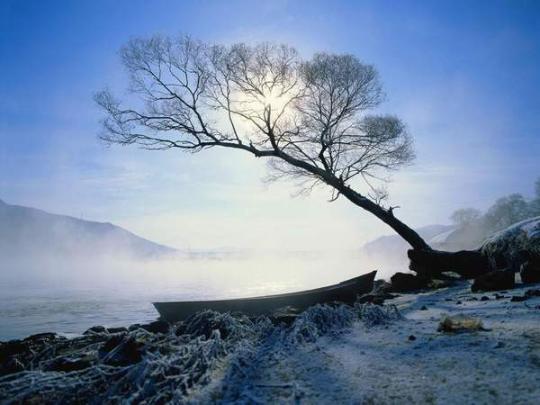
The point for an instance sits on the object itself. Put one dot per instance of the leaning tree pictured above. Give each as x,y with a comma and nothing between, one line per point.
308,117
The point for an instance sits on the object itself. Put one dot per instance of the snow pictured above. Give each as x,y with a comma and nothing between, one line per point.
329,354
379,364
510,242
530,227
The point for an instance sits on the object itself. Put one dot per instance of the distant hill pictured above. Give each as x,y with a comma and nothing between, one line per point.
28,231
389,253
391,243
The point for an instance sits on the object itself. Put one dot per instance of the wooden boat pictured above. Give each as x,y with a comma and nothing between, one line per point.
346,291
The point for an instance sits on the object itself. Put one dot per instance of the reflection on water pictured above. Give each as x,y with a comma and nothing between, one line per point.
69,298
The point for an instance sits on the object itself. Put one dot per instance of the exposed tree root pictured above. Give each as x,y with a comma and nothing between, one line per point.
430,263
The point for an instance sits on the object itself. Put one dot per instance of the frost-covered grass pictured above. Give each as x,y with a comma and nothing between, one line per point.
181,365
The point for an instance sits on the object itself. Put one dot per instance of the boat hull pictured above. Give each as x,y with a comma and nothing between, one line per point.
346,291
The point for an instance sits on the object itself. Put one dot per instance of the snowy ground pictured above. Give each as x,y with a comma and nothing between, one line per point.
329,354
384,364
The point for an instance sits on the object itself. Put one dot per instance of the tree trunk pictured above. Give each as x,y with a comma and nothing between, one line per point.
467,263
384,215
387,216
425,261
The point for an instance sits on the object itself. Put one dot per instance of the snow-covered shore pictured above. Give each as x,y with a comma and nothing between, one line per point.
340,354
410,361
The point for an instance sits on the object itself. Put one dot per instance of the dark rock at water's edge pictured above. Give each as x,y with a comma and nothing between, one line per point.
95,329
157,327
98,329
117,329
404,282
494,281
16,355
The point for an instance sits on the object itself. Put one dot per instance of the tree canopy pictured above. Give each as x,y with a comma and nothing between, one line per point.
309,116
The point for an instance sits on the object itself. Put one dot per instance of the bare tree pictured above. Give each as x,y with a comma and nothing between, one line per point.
308,117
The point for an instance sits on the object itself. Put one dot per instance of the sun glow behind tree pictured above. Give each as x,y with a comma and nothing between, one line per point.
309,117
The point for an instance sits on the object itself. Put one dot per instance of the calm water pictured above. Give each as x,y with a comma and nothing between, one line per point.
69,298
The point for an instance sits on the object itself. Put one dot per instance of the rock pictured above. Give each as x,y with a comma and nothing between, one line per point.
404,282
484,298
533,293
530,272
519,298
496,280
423,308
95,329
11,365
11,348
156,327
460,323
67,364
117,330
412,338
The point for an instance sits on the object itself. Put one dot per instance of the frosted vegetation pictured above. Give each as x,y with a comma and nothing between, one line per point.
511,242
208,357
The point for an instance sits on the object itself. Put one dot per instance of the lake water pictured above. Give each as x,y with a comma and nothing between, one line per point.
71,297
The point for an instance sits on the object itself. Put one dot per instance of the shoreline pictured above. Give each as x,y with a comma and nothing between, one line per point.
384,354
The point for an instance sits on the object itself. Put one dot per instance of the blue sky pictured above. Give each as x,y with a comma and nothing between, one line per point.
464,76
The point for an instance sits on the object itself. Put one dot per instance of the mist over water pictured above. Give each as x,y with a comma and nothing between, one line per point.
62,274
69,296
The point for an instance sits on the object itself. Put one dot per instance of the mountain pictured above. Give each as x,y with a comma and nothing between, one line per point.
32,232
391,243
